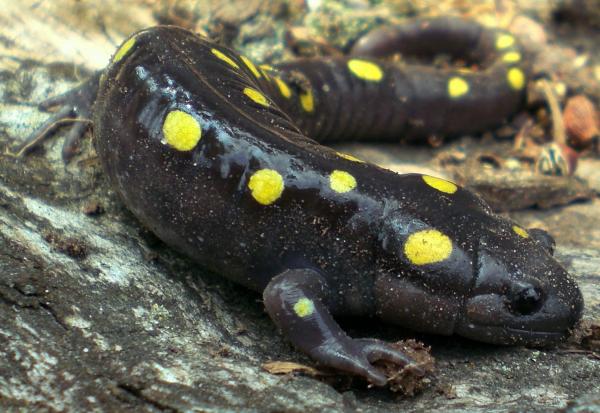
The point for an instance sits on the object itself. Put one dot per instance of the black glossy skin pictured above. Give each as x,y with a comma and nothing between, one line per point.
334,253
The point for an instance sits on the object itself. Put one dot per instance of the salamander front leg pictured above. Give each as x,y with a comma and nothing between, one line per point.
297,301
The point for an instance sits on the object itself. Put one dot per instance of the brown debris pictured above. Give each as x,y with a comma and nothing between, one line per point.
558,127
435,141
406,380
586,337
581,122
591,336
288,367
303,43
93,208
69,246
446,390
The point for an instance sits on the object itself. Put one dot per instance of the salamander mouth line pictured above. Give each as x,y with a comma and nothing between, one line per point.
536,334
520,332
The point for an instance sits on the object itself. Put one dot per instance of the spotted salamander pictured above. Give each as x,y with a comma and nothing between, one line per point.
220,158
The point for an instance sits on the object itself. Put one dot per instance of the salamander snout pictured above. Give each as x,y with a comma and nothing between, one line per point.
553,310
533,302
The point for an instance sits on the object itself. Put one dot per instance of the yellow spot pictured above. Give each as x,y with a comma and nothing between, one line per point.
516,78
124,49
307,101
181,130
427,247
465,70
349,157
251,66
504,41
440,184
283,88
304,307
365,70
457,87
266,186
511,57
341,181
265,69
225,58
256,96
520,231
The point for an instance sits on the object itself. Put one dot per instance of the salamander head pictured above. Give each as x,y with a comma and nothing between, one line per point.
521,294
472,273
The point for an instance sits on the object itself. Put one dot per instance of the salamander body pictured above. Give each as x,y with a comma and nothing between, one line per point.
221,159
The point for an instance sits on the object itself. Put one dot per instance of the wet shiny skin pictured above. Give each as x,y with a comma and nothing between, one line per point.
200,145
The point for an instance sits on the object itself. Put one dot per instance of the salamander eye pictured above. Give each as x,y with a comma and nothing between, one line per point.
543,238
525,299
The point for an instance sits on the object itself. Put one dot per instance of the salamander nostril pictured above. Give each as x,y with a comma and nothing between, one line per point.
525,300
